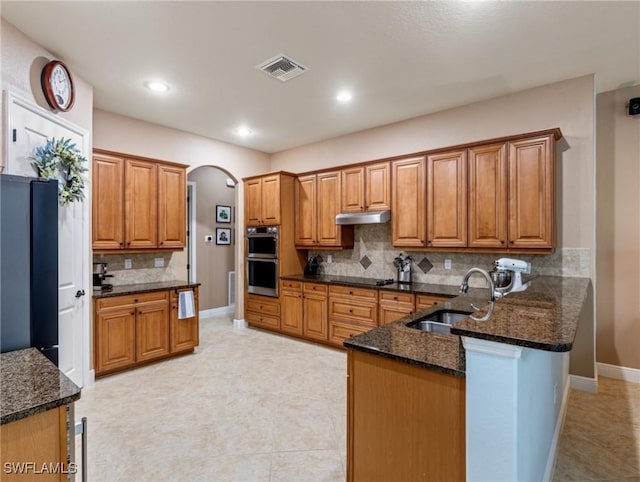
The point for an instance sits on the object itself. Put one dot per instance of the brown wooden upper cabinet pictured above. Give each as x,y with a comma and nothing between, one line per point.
531,193
317,202
488,183
366,188
511,194
138,204
447,199
408,202
262,200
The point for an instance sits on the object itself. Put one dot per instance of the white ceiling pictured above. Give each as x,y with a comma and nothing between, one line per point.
400,59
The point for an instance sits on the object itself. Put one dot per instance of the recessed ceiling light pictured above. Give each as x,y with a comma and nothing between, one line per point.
244,131
156,86
344,96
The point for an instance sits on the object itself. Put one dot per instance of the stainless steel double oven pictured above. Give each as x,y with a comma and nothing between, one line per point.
262,260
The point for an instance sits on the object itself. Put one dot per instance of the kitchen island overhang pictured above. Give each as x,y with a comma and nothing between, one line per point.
515,366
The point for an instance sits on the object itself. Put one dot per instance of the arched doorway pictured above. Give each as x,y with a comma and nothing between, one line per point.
211,258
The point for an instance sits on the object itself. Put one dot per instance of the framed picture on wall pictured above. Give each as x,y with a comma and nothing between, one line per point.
223,214
223,235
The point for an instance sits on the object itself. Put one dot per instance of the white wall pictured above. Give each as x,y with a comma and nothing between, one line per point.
618,223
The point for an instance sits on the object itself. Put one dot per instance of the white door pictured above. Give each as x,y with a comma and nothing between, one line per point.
27,126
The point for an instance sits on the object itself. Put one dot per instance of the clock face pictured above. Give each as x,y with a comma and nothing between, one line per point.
57,85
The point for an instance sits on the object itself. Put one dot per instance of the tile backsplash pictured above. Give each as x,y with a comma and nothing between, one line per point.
373,242
142,270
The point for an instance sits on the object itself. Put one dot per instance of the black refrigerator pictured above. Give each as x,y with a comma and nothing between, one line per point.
29,264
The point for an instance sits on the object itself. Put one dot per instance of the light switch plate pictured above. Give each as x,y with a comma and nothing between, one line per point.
127,264
158,262
447,264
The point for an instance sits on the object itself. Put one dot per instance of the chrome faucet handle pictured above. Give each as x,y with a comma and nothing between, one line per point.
486,316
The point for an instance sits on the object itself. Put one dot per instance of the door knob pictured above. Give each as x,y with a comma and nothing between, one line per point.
79,293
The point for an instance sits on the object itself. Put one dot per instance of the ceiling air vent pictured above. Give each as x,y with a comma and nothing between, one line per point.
282,68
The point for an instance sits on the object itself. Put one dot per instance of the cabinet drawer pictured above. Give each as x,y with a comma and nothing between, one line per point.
365,313
119,301
350,292
290,285
262,305
426,301
315,288
263,321
338,331
395,297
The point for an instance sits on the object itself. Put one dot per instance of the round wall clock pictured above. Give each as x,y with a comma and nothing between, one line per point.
57,86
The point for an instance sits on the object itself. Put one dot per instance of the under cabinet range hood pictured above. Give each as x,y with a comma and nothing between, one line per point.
370,217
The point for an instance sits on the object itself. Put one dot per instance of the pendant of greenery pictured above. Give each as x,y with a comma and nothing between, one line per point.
60,159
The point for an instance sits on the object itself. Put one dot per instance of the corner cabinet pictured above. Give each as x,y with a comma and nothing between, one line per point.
317,202
133,329
137,204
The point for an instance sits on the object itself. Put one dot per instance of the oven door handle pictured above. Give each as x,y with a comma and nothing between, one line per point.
262,235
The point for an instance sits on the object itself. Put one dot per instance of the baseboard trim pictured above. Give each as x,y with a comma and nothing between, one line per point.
619,373
553,451
223,310
240,323
584,384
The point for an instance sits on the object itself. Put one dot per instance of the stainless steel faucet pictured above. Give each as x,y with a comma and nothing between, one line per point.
464,287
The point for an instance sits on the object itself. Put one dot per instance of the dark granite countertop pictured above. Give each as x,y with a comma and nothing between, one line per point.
544,317
142,288
415,288
32,384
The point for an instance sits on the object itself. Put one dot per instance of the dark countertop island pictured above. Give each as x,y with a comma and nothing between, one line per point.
131,289
32,384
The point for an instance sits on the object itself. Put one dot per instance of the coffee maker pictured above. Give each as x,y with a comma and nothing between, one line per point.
99,275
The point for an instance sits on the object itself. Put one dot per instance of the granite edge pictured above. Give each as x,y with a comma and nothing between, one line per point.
132,289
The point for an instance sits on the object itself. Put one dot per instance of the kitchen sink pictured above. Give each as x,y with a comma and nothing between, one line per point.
448,317
439,321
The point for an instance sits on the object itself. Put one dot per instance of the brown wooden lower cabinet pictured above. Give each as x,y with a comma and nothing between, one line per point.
427,301
262,311
404,422
38,440
314,304
291,310
133,329
394,305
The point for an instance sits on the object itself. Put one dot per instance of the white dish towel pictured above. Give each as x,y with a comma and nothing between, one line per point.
186,305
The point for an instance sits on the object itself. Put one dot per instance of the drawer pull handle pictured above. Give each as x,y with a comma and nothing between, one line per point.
135,301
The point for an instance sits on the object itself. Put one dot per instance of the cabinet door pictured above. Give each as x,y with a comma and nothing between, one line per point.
172,207
328,233
185,331
141,204
291,312
408,198
115,338
488,196
377,187
271,199
152,330
305,204
447,199
253,202
353,190
389,312
316,324
531,193
107,202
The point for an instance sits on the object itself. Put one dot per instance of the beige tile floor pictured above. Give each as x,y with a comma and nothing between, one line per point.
250,406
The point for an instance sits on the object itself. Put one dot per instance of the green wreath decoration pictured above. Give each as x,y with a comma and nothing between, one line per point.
60,159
